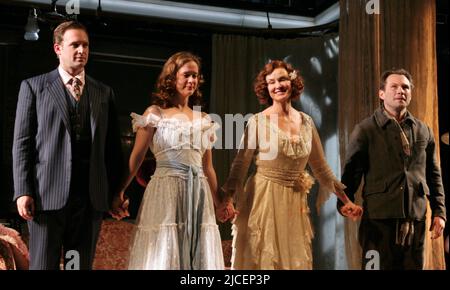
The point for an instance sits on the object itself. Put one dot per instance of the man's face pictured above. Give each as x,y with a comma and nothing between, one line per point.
73,51
396,94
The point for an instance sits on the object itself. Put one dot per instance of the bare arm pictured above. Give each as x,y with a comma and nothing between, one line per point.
142,142
144,136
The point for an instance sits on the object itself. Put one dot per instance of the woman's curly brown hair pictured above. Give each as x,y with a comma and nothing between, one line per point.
260,84
166,89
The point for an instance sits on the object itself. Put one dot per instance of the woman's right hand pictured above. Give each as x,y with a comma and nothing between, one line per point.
119,207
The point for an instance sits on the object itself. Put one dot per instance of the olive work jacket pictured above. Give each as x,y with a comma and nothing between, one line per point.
395,185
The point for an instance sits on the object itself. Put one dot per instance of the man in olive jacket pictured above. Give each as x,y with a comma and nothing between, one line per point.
394,153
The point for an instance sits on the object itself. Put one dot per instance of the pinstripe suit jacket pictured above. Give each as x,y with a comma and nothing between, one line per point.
42,153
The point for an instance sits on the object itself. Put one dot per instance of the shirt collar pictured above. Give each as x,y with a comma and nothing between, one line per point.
409,118
382,119
66,77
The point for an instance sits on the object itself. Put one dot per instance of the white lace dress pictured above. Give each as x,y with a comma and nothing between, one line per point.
176,226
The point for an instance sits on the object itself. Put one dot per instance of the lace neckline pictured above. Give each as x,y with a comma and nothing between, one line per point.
293,138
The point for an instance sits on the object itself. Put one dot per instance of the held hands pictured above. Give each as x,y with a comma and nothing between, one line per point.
119,208
352,211
349,209
226,211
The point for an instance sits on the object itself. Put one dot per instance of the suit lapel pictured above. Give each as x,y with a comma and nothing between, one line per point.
95,95
57,92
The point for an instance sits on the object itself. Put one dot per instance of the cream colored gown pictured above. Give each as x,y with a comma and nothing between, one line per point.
273,229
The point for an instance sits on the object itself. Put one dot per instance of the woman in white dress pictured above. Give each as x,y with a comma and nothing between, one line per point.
272,230
176,226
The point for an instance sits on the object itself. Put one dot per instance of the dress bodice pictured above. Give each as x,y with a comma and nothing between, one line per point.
282,158
178,140
278,150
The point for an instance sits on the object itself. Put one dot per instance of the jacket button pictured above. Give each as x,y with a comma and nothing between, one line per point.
401,187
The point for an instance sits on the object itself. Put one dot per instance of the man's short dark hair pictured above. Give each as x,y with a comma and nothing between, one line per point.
394,71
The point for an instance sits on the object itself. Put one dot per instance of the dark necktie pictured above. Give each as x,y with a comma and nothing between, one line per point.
75,84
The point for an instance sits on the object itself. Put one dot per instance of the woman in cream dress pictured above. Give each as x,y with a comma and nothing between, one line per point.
272,229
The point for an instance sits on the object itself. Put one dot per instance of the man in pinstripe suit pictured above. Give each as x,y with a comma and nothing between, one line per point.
67,159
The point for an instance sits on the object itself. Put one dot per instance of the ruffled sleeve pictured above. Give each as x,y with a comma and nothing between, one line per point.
321,171
209,130
234,186
139,121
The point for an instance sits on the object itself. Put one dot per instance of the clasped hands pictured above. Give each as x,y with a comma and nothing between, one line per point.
225,210
119,207
351,211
